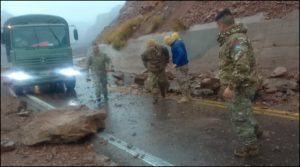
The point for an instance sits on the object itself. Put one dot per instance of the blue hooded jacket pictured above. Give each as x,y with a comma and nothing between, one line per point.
179,54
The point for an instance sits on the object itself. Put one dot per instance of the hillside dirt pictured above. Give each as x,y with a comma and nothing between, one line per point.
190,13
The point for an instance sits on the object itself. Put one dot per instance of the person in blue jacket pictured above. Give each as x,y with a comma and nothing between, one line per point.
180,63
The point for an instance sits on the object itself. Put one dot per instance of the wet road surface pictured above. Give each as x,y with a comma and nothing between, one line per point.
181,134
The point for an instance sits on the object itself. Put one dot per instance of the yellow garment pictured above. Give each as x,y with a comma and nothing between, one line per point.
174,36
167,40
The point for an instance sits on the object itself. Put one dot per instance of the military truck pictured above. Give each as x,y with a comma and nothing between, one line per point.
38,51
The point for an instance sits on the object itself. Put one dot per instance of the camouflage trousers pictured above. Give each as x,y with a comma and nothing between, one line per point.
241,115
182,79
100,81
158,83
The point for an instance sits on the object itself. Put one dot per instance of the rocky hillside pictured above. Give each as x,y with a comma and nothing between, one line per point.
138,18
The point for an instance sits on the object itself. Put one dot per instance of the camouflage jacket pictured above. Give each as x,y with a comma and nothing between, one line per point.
98,62
156,59
237,67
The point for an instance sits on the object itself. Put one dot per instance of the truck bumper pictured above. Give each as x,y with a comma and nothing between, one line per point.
42,80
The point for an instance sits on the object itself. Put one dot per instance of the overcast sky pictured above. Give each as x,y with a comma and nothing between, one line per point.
86,11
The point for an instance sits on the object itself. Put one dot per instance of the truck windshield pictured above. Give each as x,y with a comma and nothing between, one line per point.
39,36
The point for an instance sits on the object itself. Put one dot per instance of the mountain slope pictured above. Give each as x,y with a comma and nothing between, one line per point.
138,18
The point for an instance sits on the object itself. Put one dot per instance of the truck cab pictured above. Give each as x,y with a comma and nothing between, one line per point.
38,51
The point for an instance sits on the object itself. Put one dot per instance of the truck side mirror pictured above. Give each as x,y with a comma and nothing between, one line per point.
75,34
2,38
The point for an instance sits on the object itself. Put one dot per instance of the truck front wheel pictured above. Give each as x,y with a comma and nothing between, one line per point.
56,87
70,84
18,90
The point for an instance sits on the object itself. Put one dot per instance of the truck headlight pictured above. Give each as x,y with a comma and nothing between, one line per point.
19,75
69,72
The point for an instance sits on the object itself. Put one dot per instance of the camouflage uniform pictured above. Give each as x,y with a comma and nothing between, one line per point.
155,60
182,79
237,70
98,64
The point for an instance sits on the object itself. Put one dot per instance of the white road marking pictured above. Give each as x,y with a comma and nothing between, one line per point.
40,102
142,155
12,92
146,157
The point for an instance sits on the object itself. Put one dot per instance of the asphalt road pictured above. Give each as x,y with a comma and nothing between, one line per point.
180,134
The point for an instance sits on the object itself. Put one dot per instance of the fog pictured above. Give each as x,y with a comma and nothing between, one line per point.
89,17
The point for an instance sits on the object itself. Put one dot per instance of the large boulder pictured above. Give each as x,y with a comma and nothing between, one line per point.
7,146
196,84
63,125
119,78
140,78
119,82
202,92
279,72
279,84
211,83
118,75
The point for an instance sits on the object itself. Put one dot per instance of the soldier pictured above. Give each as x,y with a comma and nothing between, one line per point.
237,73
180,63
155,59
99,63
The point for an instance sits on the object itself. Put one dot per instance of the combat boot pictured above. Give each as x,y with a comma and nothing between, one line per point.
106,99
247,151
98,99
98,102
155,101
163,94
163,91
258,131
189,97
184,99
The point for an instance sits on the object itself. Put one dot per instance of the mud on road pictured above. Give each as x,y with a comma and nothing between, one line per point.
80,153
180,134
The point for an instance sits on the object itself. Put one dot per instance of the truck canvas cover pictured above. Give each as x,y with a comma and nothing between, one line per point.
35,19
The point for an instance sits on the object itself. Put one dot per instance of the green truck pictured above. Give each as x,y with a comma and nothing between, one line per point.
38,51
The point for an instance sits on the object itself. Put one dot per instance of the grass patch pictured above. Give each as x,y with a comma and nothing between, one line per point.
179,26
153,23
118,35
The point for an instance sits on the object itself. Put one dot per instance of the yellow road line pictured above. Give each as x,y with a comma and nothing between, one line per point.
256,109
284,114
